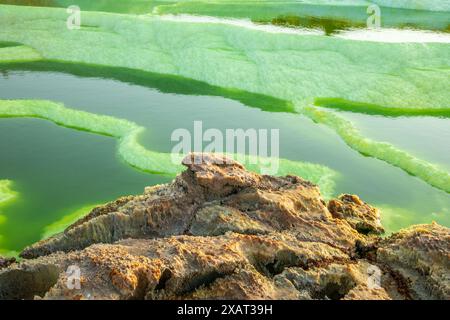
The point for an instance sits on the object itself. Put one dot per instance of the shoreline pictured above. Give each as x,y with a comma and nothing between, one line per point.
219,231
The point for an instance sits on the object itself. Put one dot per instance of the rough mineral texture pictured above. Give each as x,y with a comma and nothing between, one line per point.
220,232
357,213
5,262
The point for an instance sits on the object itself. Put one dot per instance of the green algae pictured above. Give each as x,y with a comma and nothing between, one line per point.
118,6
424,170
57,170
432,5
395,218
373,109
7,196
328,25
286,66
9,253
325,14
328,15
133,6
11,54
7,44
285,83
126,131
66,220
6,192
135,154
297,68
162,82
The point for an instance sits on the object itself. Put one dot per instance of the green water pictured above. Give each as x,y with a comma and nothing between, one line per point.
143,70
66,166
122,6
429,140
295,13
58,170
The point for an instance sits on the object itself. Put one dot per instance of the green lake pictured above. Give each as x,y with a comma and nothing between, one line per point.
59,173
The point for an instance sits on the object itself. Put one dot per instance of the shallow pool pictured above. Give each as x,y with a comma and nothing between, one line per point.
58,170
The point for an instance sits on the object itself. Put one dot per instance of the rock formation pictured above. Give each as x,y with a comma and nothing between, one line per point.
6,262
219,231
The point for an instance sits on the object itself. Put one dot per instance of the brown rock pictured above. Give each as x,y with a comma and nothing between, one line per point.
419,258
258,203
220,232
360,215
6,262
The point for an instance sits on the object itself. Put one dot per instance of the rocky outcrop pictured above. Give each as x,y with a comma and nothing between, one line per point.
5,262
361,216
213,196
218,231
420,257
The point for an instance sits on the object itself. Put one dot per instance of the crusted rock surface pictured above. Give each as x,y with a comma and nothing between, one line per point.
360,215
218,231
420,257
5,262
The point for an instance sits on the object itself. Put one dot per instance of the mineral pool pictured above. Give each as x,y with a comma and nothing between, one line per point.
86,115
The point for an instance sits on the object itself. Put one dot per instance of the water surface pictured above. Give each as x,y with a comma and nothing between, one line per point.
59,170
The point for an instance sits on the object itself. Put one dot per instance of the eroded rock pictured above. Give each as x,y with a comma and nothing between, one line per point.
251,202
419,257
220,232
5,262
360,215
